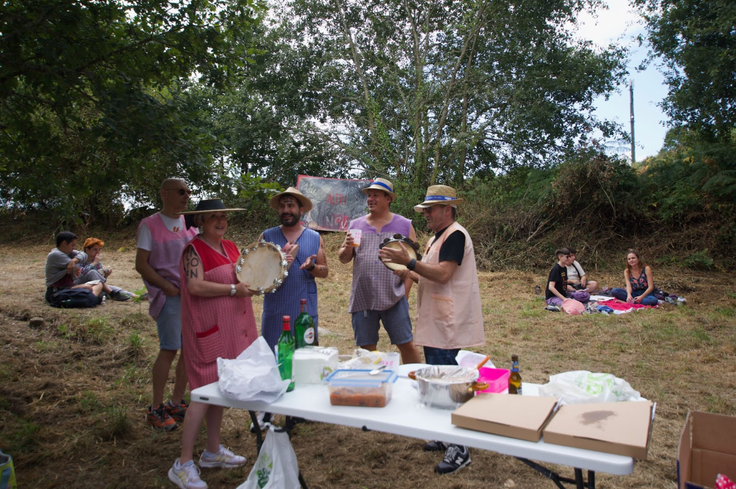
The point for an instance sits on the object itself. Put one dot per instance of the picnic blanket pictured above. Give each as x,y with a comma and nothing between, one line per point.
623,307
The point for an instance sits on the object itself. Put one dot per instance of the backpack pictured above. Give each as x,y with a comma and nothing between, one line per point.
70,298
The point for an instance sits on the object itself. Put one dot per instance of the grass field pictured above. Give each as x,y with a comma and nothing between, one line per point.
73,391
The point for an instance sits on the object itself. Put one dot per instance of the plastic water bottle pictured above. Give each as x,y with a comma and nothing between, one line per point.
285,353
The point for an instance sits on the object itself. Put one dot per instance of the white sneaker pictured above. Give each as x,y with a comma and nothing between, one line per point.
224,459
186,476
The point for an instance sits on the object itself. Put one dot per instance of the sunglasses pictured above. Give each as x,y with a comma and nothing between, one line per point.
180,190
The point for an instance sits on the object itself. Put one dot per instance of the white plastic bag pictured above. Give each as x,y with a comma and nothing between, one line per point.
253,376
466,358
276,466
581,386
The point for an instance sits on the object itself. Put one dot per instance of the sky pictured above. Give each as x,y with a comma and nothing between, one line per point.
621,24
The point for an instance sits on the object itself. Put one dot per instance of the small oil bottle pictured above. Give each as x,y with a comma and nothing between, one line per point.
515,377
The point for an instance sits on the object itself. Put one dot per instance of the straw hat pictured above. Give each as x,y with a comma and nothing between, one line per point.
205,206
439,195
382,184
303,200
211,205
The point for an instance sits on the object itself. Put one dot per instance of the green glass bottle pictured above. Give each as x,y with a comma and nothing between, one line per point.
285,353
304,327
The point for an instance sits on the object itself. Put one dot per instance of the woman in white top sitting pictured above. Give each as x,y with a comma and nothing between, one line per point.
576,278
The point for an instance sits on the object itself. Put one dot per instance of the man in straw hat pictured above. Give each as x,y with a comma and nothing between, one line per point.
377,294
305,251
448,301
161,240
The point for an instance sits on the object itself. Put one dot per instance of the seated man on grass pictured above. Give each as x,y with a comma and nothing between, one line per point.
61,268
556,291
576,277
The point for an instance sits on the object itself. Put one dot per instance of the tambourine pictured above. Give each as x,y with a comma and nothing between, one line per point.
393,242
262,266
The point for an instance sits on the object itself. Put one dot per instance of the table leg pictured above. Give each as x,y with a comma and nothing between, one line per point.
545,472
259,436
579,482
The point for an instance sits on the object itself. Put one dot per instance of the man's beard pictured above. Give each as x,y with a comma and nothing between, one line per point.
290,220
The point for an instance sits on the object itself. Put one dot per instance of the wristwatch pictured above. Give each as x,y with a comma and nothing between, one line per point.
232,290
412,264
312,267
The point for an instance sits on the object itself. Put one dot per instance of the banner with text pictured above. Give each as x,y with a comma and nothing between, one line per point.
335,201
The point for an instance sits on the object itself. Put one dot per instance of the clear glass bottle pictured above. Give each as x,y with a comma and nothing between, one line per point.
304,327
515,377
285,353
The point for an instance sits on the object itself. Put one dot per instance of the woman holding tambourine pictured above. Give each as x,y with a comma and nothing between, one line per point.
217,321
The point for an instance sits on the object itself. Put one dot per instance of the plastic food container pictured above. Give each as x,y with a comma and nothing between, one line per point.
496,378
313,363
359,388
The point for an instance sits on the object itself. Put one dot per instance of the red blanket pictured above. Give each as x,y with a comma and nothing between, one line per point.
618,305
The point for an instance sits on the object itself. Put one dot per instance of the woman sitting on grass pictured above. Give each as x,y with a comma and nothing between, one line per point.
90,268
639,282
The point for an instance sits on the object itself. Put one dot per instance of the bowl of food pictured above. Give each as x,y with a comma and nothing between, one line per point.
447,386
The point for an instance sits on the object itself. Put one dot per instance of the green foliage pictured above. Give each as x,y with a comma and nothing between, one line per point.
696,40
431,91
700,261
691,179
96,98
589,199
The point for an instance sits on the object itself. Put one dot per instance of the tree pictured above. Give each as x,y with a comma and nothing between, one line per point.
697,42
433,90
96,100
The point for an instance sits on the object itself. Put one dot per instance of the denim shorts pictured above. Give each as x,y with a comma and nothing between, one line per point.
169,324
439,356
395,319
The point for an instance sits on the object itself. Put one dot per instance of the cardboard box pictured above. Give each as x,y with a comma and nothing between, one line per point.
622,428
520,417
707,448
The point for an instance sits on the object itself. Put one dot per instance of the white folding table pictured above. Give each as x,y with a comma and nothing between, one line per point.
405,415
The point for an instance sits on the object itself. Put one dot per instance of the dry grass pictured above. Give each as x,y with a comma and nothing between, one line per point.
73,392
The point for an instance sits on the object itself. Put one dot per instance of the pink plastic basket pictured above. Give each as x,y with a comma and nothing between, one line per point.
497,379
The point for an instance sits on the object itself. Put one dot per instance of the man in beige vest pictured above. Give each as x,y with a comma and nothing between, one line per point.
448,302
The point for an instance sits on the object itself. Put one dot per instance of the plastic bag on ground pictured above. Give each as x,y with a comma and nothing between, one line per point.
571,306
253,376
276,466
7,472
581,386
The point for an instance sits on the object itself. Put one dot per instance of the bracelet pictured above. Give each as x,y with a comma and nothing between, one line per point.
312,267
412,264
232,290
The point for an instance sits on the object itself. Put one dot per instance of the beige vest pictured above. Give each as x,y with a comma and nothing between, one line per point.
450,315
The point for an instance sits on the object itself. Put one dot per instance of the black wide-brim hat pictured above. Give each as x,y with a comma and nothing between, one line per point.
206,206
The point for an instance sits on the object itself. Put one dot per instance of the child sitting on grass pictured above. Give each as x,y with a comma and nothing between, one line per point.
90,268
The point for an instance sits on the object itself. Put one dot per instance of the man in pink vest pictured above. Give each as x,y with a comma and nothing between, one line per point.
161,240
448,301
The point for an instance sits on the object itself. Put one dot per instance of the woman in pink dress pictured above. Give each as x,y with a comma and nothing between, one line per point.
217,321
